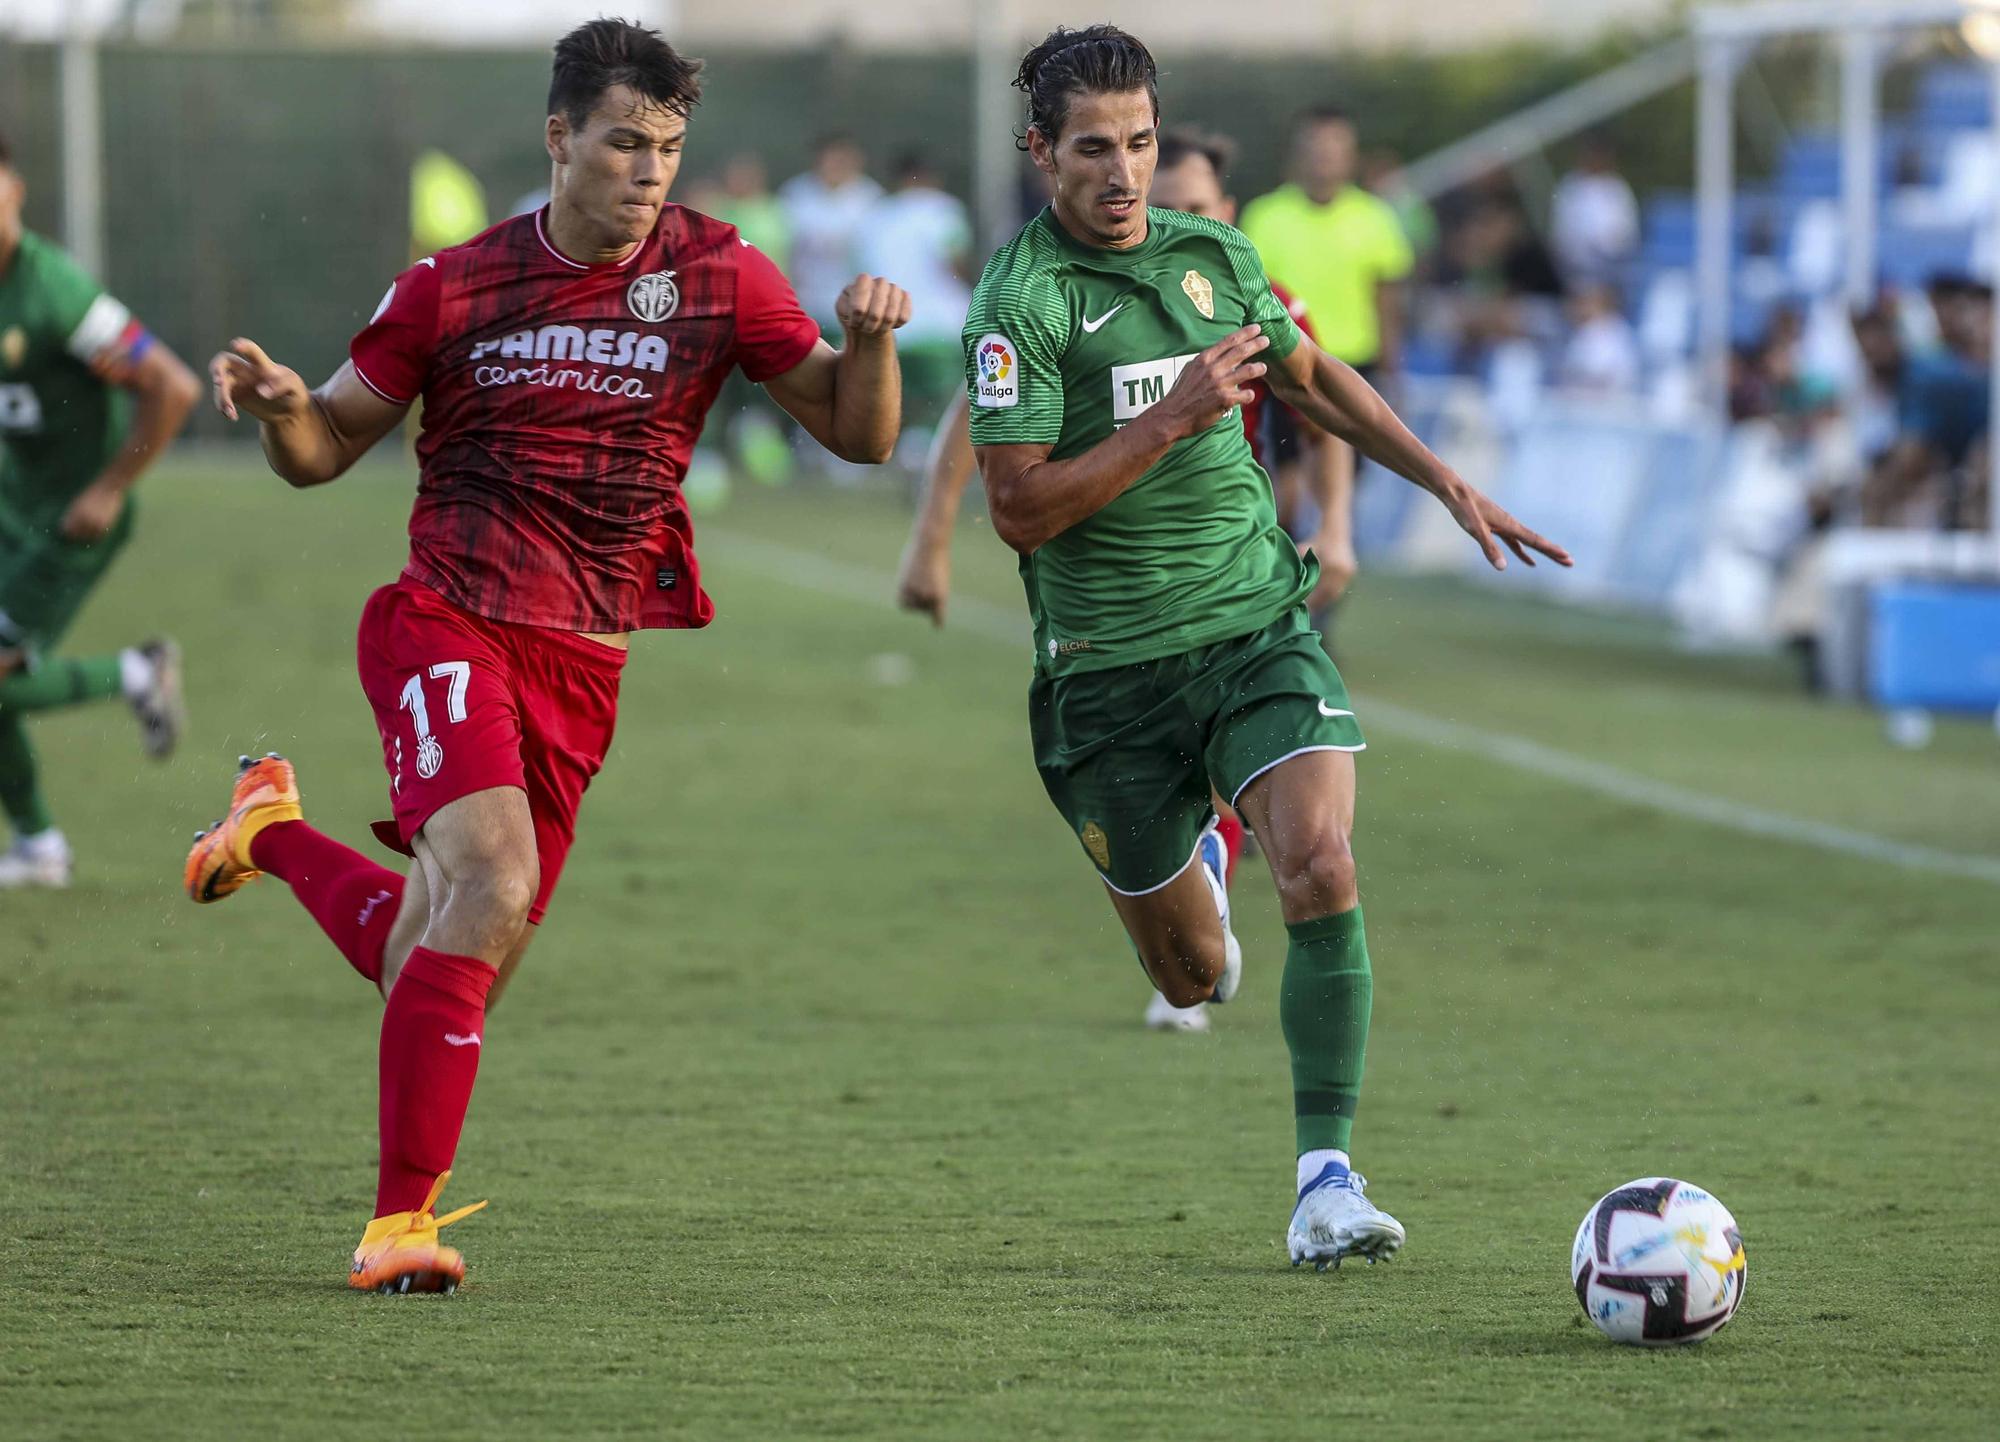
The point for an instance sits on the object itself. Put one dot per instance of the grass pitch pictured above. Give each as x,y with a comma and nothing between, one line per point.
822,1108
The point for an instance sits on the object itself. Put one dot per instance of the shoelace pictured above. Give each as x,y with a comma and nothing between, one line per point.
1346,1182
422,1218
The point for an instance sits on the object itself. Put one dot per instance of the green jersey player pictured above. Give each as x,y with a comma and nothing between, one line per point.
87,399
1107,350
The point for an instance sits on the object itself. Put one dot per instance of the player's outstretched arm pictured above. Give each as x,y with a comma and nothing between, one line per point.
1334,398
923,581
163,392
851,400
1033,499
310,436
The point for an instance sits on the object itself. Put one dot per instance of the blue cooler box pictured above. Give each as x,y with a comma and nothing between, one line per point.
1934,646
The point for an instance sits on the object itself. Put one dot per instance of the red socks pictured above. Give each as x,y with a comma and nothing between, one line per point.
1232,845
431,1040
353,900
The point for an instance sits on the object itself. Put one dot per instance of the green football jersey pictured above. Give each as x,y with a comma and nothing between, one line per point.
1064,344
59,423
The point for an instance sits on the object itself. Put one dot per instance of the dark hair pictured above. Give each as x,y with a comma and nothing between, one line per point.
1320,115
1096,60
1177,143
6,152
602,53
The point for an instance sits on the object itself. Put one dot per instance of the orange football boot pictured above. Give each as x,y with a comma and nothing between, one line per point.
266,792
399,1253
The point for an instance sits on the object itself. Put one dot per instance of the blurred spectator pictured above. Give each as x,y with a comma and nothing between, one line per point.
1595,217
1602,355
746,202
1383,175
921,238
825,209
1504,285
1336,247
1873,400
1933,475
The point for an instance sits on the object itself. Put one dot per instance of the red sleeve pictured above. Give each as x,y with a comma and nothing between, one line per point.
392,354
773,332
1296,308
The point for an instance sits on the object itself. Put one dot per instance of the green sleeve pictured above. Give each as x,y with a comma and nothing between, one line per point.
1015,337
67,295
1264,309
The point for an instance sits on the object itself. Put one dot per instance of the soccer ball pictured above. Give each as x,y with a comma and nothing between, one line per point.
1658,1262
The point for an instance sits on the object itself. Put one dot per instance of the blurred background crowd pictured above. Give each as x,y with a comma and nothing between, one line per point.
1496,219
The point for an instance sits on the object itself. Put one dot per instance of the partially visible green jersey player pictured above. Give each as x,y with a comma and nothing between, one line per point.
1107,349
87,398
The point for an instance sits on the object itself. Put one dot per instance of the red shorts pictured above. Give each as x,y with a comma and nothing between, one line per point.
465,704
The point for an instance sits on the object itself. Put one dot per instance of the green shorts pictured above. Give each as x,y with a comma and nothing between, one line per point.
1129,754
44,580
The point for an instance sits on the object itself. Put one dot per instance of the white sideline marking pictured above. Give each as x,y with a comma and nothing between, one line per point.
996,623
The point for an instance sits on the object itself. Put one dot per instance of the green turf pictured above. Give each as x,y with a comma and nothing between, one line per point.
822,1108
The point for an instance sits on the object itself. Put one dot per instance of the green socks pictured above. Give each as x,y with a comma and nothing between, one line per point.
20,791
53,683
62,682
1323,1005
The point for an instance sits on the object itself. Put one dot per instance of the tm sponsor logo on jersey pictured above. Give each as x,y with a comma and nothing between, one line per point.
996,365
617,349
1136,387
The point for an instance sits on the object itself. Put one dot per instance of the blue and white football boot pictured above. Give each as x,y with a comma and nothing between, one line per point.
1335,1220
1163,1015
1215,866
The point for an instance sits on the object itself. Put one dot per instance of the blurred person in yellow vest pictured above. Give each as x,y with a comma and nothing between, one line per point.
447,204
1336,247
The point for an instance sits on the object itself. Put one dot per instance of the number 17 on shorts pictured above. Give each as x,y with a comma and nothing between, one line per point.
430,750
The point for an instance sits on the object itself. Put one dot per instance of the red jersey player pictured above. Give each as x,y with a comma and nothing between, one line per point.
566,361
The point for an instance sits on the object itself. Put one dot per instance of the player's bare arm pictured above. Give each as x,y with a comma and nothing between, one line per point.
1338,401
851,400
163,390
1033,499
310,436
923,580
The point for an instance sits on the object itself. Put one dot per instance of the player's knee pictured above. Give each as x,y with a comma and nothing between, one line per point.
1183,989
1185,974
1318,874
488,903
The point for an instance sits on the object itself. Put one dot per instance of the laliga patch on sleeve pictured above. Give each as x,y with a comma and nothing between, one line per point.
997,372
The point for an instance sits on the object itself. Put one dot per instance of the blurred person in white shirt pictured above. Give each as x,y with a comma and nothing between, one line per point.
826,208
921,237
1601,356
1594,224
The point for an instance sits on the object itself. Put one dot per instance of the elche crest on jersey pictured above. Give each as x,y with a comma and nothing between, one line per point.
654,296
1200,292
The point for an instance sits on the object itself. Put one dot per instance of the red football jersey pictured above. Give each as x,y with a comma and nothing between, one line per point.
1253,413
561,404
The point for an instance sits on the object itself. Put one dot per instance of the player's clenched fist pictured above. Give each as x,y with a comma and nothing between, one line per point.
244,377
1213,383
872,306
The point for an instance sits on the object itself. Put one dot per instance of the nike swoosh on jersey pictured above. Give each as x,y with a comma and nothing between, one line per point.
1326,710
1091,327
452,1038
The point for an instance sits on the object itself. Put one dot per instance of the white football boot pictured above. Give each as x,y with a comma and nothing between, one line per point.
1163,1015
1334,1220
41,860
1215,866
